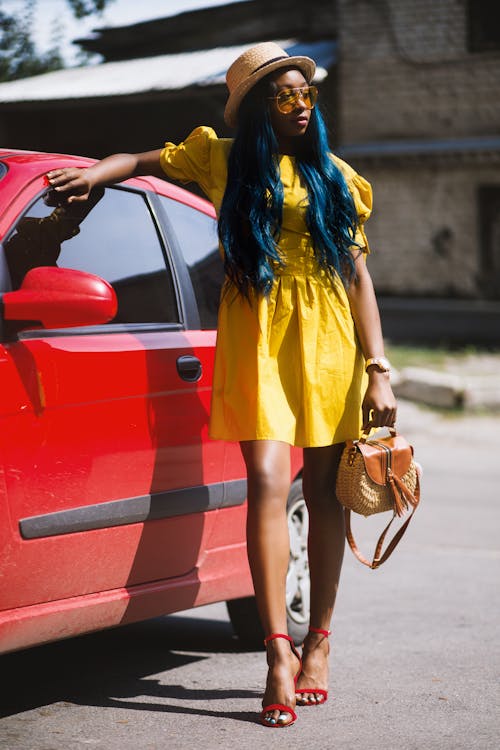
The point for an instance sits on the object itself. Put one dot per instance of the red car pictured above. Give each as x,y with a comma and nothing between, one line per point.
114,504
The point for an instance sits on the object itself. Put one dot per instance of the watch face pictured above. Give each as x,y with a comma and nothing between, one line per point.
382,363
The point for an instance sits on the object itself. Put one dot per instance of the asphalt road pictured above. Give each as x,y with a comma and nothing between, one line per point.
415,657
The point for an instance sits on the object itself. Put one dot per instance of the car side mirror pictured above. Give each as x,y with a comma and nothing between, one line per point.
51,297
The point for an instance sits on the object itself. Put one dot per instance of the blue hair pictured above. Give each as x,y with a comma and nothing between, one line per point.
251,210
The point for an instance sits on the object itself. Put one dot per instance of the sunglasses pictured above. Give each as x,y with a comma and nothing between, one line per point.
288,99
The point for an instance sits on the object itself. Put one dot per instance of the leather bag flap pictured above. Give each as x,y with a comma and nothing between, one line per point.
375,457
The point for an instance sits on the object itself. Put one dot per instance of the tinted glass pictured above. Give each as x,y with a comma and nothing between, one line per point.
197,237
111,235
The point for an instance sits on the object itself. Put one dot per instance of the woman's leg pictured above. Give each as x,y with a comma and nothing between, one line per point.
326,552
268,472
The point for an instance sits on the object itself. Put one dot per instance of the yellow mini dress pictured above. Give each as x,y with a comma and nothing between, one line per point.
288,366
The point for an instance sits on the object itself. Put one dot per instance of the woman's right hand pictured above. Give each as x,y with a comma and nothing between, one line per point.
72,182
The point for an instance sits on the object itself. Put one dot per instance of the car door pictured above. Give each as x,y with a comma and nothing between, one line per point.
107,470
204,261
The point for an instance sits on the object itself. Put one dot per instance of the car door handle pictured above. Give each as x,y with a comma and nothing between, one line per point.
189,368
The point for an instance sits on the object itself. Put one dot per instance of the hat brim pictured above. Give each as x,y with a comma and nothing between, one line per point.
305,64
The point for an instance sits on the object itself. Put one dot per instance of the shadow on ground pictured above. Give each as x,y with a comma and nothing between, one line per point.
120,662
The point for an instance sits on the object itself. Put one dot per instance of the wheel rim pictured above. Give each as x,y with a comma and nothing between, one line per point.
297,579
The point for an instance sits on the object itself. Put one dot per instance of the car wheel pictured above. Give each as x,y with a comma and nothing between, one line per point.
243,612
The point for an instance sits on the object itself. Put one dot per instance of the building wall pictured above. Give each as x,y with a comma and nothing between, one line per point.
405,74
405,66
423,233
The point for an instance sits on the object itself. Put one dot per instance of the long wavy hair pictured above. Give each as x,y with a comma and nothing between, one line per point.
251,210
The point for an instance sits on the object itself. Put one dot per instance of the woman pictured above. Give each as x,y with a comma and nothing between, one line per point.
298,327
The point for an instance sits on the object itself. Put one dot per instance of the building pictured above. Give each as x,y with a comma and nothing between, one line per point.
160,79
411,92
420,118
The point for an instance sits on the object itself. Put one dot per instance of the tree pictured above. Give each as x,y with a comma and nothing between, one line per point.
19,56
82,8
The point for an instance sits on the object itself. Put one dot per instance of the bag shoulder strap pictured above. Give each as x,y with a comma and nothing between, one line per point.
378,557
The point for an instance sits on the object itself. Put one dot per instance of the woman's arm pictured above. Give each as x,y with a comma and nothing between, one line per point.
79,182
379,403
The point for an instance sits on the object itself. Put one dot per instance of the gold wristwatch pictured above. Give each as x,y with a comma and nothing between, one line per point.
381,363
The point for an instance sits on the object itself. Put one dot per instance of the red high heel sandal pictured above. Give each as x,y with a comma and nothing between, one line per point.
274,723
317,691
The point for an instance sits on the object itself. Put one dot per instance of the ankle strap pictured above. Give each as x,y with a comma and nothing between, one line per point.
326,633
277,635
286,638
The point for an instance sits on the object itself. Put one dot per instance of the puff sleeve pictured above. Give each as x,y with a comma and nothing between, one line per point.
190,161
361,192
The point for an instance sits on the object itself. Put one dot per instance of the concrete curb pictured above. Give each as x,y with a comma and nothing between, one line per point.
447,390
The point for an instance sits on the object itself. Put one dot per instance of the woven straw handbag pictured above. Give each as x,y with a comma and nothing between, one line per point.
374,476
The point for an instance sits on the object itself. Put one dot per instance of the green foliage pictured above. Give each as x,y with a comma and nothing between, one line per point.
402,355
19,56
439,357
82,8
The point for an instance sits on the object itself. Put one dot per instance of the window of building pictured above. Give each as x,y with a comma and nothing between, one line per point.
489,223
112,235
197,237
483,25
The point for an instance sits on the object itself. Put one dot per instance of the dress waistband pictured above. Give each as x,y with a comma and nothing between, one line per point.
304,269
298,261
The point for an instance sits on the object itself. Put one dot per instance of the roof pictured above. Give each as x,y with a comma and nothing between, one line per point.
151,74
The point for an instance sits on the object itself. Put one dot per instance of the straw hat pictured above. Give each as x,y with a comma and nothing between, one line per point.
254,64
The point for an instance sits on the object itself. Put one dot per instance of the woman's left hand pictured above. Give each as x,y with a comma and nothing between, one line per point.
379,403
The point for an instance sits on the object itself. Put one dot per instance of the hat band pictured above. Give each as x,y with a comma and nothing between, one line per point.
269,62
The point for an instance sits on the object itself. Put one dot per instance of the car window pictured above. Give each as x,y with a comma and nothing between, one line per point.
112,235
197,237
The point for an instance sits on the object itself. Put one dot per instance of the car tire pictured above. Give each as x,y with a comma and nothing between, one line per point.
243,612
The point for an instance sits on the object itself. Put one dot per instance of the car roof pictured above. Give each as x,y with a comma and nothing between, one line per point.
21,167
38,157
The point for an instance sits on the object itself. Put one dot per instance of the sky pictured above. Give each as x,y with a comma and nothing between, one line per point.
119,13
